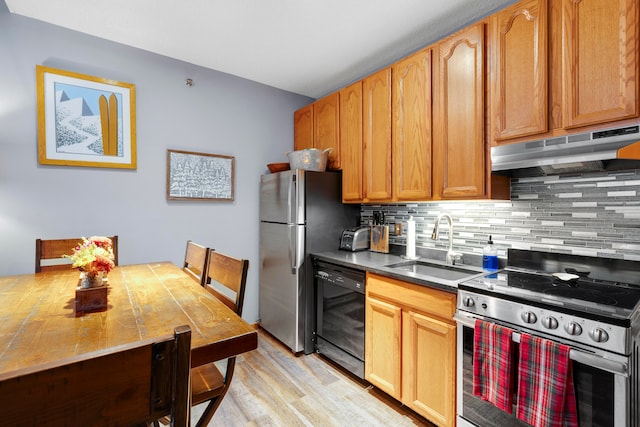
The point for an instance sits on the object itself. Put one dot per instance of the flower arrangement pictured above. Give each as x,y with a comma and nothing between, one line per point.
93,256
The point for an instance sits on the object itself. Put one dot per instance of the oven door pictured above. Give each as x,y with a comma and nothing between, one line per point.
602,386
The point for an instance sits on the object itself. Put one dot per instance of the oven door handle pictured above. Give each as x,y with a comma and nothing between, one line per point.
595,361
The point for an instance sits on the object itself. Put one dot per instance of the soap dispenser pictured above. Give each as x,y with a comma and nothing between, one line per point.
490,256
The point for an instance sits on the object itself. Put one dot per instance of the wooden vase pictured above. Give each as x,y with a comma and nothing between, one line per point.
91,294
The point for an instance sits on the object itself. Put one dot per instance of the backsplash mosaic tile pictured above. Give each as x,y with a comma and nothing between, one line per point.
594,214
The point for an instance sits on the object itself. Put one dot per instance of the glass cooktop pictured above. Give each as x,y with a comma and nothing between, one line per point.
581,284
581,288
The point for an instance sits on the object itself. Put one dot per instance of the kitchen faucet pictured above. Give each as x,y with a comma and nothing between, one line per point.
451,255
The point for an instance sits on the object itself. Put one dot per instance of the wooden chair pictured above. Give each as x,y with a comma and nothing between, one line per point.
195,261
131,385
226,278
49,253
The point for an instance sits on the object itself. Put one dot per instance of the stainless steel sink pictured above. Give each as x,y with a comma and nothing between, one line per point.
440,271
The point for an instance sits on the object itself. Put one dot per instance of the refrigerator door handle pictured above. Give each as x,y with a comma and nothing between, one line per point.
296,247
293,249
292,199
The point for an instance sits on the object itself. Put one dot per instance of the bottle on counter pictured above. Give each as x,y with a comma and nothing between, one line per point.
411,239
490,256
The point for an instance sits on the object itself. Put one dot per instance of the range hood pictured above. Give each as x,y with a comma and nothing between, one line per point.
610,149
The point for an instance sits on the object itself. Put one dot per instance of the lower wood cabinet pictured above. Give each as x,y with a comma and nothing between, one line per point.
410,346
428,367
383,348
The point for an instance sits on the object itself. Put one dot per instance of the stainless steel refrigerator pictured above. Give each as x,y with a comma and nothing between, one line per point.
301,212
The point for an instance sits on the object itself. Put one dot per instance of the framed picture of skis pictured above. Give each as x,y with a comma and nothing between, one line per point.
85,120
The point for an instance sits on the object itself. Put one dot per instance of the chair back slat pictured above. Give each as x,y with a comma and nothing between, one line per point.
133,384
195,261
50,253
226,279
181,407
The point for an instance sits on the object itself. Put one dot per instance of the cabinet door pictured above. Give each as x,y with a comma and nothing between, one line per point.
428,367
351,142
376,95
326,116
411,127
519,98
600,64
303,128
382,346
459,148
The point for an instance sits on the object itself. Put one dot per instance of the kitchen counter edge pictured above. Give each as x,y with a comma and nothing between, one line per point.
375,262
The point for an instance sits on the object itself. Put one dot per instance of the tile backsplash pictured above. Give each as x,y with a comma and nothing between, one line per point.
593,214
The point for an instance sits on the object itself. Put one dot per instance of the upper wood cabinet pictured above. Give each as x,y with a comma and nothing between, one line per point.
600,64
519,70
317,126
303,128
411,127
376,136
351,156
553,66
386,120
460,167
326,116
559,65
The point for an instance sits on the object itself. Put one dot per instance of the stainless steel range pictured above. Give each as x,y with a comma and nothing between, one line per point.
588,303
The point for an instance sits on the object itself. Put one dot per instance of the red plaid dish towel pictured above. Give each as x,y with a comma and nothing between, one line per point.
492,367
546,396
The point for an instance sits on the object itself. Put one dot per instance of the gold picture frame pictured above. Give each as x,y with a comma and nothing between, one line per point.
199,176
85,120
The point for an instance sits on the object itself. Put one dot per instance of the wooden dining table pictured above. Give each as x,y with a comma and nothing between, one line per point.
40,326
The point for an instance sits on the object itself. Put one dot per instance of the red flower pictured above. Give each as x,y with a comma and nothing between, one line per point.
101,242
103,263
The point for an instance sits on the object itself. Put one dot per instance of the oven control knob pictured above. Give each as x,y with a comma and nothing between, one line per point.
599,335
573,328
550,322
529,317
468,302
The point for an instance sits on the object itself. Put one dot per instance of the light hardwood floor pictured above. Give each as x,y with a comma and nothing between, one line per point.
272,387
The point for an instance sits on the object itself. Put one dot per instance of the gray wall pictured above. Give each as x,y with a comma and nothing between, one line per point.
219,114
595,214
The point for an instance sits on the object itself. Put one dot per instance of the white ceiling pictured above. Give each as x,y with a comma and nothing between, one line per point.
309,47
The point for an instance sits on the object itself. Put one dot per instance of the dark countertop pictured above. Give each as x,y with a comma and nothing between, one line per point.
378,263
